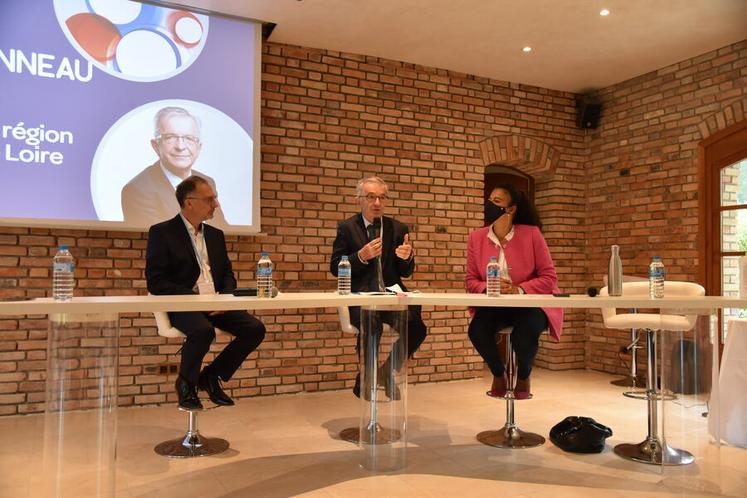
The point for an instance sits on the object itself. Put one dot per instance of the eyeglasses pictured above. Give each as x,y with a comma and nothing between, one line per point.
373,198
171,139
209,200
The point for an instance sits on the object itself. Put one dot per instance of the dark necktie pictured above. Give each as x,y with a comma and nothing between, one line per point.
377,279
372,232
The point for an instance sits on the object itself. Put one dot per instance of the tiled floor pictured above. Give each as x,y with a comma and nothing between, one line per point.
288,446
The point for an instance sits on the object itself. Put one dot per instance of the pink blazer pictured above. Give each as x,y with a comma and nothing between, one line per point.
529,262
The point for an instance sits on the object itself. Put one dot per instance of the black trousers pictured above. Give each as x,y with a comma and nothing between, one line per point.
528,324
416,330
199,327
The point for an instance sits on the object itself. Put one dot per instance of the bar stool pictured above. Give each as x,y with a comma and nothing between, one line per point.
510,436
192,444
653,450
633,378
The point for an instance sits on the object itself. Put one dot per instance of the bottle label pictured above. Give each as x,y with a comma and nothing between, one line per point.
264,272
343,272
656,272
59,266
493,272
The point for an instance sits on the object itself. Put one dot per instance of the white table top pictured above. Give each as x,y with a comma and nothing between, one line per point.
290,300
575,301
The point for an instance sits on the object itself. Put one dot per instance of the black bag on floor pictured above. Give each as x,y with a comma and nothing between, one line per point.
580,435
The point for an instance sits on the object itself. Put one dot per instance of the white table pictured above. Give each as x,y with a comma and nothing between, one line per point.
146,304
93,309
732,420
82,376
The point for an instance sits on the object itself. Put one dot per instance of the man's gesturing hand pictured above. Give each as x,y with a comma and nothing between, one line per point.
405,250
370,250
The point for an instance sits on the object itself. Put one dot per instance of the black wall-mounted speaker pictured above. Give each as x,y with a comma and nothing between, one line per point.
267,29
588,113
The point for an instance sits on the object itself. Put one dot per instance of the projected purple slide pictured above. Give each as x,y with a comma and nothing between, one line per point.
107,104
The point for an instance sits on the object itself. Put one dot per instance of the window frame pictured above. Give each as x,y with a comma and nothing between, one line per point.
715,153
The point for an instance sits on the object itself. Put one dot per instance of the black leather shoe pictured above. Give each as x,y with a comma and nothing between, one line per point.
187,394
392,391
357,389
210,383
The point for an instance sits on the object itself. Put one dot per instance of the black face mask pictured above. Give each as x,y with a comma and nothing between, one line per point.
493,212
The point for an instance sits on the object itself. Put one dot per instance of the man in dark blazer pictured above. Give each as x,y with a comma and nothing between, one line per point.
370,235
149,196
187,256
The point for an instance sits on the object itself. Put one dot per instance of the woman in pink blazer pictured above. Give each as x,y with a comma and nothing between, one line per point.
513,236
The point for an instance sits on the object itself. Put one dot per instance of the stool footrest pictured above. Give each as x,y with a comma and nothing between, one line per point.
510,396
667,396
192,444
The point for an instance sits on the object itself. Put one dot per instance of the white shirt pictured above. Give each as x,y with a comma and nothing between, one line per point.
171,177
201,253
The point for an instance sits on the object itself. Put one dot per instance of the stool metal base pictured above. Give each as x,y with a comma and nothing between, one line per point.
374,435
191,445
510,437
652,452
630,381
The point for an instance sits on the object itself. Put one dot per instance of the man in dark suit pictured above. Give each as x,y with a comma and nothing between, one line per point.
186,256
380,255
149,196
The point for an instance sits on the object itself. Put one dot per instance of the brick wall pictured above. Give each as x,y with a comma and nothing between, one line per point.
330,118
643,172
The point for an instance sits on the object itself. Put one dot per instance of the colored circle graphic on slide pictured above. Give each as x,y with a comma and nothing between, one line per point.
131,40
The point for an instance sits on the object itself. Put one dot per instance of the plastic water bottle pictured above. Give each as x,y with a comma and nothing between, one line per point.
63,278
264,276
656,278
494,277
615,273
344,274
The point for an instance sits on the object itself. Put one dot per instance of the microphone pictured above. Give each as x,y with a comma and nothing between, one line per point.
375,230
252,291
592,291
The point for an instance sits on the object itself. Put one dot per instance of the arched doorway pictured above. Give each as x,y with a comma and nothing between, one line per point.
517,160
723,212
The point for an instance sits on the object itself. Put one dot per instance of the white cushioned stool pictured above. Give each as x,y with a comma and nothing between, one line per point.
510,436
192,444
653,450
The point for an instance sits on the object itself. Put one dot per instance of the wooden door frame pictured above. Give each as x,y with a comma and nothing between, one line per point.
714,153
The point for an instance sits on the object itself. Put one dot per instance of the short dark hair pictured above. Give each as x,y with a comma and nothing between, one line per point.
526,213
186,187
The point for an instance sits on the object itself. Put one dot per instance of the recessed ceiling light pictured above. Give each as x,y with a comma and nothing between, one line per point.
526,49
604,12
